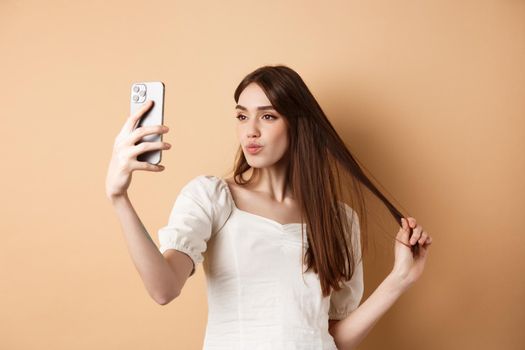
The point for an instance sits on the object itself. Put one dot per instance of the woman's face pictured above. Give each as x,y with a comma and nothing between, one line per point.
259,123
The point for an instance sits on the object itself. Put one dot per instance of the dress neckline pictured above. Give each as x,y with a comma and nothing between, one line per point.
227,187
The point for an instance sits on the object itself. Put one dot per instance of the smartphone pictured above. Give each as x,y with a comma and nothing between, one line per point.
140,93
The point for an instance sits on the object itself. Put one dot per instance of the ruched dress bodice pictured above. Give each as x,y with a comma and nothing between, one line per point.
258,295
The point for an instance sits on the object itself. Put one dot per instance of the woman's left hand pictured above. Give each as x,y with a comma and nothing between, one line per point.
407,266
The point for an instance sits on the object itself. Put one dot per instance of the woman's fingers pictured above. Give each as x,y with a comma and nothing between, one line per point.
142,131
404,223
419,236
402,234
416,234
423,238
136,165
132,120
412,222
148,146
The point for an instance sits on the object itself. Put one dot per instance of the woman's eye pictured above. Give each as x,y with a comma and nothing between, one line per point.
241,115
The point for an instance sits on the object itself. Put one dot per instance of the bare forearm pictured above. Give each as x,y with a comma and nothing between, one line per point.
350,331
157,276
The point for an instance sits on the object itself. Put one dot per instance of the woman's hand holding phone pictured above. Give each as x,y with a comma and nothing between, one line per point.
124,158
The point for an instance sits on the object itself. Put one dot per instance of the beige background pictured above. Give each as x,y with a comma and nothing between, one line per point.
428,94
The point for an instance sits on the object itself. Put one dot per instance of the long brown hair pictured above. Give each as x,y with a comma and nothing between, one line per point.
314,158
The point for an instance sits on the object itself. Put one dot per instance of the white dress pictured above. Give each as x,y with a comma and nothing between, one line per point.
258,297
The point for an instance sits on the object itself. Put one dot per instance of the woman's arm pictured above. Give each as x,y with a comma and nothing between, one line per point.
161,282
350,331
165,275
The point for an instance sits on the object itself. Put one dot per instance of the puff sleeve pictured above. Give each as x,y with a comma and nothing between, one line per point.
347,299
200,210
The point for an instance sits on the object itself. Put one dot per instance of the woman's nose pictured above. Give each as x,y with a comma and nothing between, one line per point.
252,130
252,134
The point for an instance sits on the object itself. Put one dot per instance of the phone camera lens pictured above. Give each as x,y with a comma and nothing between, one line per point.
135,98
135,89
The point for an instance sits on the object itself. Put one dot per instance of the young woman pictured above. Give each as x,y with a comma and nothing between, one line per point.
281,248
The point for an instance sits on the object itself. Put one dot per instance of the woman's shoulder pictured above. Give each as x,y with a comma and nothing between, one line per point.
210,188
202,182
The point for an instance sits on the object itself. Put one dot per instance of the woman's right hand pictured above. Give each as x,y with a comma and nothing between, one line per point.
124,158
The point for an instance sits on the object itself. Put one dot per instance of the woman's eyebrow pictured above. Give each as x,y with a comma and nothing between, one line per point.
260,108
